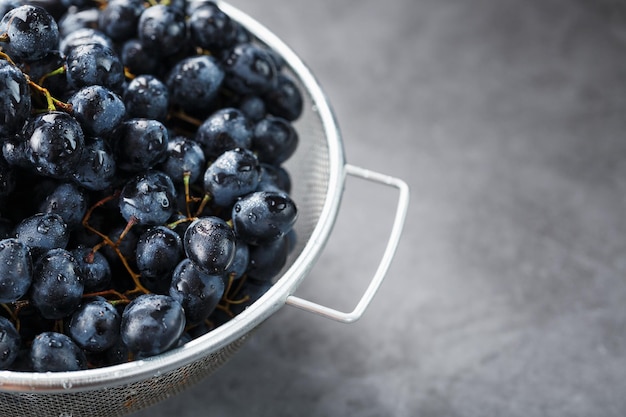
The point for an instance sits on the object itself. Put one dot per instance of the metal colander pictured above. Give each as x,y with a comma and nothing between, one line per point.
318,171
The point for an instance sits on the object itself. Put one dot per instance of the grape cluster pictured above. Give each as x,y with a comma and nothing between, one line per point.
143,197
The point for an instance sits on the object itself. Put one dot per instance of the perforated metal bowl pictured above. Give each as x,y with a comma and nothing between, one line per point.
318,171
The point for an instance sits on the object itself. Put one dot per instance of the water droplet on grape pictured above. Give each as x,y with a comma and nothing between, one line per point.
55,344
43,227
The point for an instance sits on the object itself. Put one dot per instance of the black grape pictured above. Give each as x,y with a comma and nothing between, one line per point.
95,325
16,270
31,33
15,101
263,216
233,174
197,292
209,243
149,198
98,110
53,144
10,342
57,287
42,232
56,352
151,324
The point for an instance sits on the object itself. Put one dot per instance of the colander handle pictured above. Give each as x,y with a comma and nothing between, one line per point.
383,266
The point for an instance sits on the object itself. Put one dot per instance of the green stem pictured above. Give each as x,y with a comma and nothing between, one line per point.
203,203
58,71
52,103
179,221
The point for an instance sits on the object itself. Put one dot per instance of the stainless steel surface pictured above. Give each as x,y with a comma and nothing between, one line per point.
390,250
318,171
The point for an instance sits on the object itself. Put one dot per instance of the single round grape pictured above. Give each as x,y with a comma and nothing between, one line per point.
138,58
162,28
140,144
95,325
197,292
275,140
97,109
233,174
183,155
96,168
31,33
15,102
56,352
263,216
42,232
249,69
57,287
159,250
211,28
10,342
223,130
209,243
146,97
120,17
94,267
68,201
150,198
285,99
94,63
151,324
194,82
16,270
54,142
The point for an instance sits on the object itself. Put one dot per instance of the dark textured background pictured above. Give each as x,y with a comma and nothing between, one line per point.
507,296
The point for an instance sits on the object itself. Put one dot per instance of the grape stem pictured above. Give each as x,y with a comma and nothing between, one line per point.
128,74
186,118
120,298
53,103
139,288
186,176
226,301
203,203
6,57
58,71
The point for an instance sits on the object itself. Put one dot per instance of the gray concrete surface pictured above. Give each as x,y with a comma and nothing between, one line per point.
507,296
